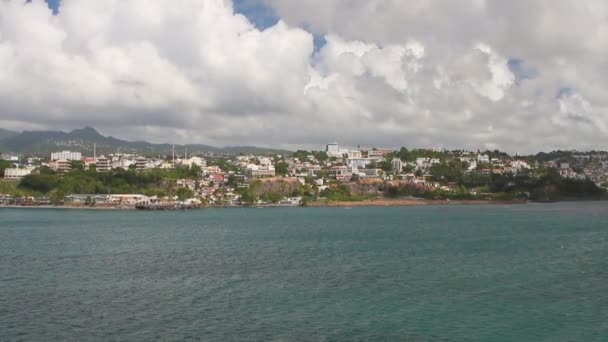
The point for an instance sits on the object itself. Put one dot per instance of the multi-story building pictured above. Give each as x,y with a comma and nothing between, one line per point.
397,164
103,164
260,170
212,170
198,161
66,155
62,165
141,163
334,150
355,154
16,174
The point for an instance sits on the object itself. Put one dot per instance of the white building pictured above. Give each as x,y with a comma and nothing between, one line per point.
520,164
16,174
66,155
200,162
482,158
355,154
260,170
334,150
63,165
397,164
358,162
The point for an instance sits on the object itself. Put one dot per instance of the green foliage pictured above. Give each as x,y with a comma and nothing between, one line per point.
340,193
223,163
42,183
184,194
411,155
247,196
4,164
232,181
302,155
273,197
281,168
448,172
155,182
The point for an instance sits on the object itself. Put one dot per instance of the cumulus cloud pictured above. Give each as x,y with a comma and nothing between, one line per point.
417,73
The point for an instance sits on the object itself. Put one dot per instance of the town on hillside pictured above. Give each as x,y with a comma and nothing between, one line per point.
335,174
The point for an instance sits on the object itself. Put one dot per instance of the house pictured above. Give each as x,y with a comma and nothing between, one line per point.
129,199
212,170
87,199
483,158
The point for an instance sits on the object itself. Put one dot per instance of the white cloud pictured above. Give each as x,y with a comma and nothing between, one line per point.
419,73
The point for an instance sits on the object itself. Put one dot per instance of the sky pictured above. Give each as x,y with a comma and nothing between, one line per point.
520,75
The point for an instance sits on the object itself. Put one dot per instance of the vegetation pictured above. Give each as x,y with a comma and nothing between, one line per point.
340,192
155,182
4,164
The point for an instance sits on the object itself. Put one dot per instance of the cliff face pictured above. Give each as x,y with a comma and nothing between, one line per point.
283,186
366,187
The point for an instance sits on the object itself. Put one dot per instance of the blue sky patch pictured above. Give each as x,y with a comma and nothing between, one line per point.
54,5
521,70
257,12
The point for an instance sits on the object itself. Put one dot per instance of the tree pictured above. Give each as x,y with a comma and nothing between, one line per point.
273,197
281,168
42,183
247,196
184,194
232,181
4,164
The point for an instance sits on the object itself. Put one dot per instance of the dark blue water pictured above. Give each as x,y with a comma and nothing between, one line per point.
452,273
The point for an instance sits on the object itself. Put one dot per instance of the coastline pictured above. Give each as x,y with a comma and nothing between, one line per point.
316,204
63,207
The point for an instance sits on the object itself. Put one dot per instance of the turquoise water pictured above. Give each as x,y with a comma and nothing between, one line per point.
452,273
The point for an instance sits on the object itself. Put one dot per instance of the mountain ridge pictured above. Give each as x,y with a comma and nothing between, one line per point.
40,143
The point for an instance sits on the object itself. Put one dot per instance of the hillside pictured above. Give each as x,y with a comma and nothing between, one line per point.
82,140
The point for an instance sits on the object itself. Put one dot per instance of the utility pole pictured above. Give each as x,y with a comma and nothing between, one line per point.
174,156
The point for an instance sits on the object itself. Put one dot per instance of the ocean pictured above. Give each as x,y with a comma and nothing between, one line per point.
535,272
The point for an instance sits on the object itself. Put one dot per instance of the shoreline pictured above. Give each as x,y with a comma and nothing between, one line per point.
63,207
316,204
